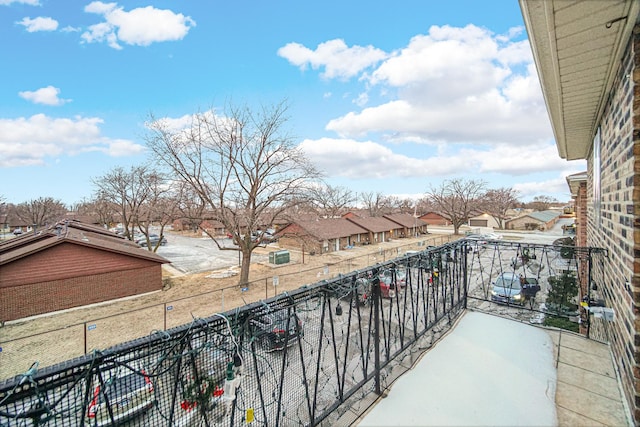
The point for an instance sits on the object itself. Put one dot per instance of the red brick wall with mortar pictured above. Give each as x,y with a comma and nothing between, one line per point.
37,298
69,275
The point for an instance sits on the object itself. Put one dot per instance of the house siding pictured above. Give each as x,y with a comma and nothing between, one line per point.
617,228
37,298
524,223
64,261
69,275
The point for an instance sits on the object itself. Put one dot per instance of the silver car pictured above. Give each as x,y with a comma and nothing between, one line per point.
507,289
127,394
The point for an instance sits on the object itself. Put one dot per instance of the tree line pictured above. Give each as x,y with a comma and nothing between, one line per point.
243,169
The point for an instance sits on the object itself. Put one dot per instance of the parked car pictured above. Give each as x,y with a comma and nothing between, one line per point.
276,330
17,231
388,288
153,240
263,236
391,283
476,242
128,395
510,288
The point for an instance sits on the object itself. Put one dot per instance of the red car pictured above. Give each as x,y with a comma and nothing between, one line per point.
390,285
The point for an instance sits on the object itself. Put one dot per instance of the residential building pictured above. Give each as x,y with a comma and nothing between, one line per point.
539,220
434,218
322,235
72,264
411,226
380,229
483,219
588,58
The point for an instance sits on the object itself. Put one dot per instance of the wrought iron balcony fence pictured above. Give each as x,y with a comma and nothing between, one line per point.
319,355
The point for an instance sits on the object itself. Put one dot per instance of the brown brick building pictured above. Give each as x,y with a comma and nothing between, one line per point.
588,59
72,264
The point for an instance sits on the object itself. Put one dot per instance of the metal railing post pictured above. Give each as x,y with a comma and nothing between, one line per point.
376,328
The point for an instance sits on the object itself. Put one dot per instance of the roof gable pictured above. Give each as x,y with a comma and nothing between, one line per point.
405,220
75,233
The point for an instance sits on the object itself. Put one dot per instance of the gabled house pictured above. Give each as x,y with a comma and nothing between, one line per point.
71,264
434,218
411,225
483,219
539,220
322,235
380,229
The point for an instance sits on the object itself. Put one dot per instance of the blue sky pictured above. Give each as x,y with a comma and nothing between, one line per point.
391,97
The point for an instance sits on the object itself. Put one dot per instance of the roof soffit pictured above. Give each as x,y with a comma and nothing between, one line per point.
577,56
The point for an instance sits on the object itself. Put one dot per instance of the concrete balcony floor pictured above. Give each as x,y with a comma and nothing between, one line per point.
494,371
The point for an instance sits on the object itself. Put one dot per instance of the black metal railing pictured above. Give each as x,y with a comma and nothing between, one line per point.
319,355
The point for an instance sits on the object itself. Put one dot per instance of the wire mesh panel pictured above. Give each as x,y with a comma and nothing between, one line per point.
313,356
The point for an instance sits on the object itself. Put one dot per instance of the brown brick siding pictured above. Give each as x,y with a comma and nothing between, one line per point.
69,275
617,228
64,261
36,298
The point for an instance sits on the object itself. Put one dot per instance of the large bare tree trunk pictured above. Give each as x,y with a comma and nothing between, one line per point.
245,267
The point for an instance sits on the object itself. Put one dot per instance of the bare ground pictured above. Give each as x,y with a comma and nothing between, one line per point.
60,336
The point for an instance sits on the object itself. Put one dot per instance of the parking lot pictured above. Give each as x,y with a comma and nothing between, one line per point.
190,255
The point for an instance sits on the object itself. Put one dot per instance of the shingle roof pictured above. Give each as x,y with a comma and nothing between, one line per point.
76,233
330,228
406,220
544,216
376,224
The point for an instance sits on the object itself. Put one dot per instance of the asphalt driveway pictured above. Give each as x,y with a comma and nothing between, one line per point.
198,254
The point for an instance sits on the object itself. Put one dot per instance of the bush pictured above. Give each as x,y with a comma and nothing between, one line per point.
561,323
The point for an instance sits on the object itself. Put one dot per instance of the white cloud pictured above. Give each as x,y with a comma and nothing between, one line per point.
514,160
46,95
140,26
556,186
356,159
452,102
117,148
353,159
40,23
337,59
455,85
30,141
27,2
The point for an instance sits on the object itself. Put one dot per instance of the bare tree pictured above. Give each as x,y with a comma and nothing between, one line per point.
496,202
541,203
41,211
376,204
161,208
331,201
104,211
455,199
128,190
191,208
243,166
424,205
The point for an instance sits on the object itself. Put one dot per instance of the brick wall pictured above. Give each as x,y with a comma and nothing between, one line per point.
68,275
616,227
36,298
580,208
